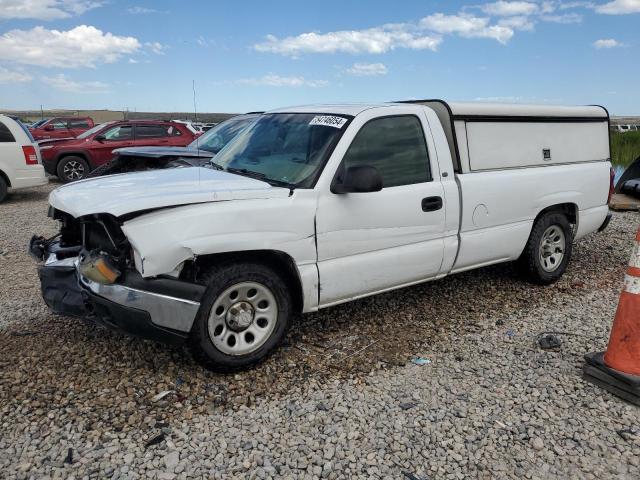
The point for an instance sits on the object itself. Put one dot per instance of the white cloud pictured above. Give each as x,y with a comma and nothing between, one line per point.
548,6
156,47
272,80
367,69
619,7
65,84
564,18
141,10
133,61
82,46
517,23
607,43
45,9
500,21
12,76
372,40
466,26
205,41
502,8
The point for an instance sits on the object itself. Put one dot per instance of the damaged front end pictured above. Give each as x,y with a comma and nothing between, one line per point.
88,271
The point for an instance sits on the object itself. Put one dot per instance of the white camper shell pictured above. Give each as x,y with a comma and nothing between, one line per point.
485,136
317,205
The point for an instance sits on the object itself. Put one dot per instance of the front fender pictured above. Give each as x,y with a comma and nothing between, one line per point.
164,239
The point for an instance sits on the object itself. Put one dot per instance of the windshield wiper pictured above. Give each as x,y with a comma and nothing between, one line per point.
216,166
263,177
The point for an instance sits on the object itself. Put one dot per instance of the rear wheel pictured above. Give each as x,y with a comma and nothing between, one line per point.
3,189
548,250
72,168
244,315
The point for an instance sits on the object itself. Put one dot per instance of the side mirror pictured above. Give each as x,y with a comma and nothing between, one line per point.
100,138
359,179
48,128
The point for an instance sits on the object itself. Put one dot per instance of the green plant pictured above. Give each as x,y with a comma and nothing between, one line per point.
625,148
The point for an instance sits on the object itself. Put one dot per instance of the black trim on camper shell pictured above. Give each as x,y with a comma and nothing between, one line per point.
528,119
608,129
457,166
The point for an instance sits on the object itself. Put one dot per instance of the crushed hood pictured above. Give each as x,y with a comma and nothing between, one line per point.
134,192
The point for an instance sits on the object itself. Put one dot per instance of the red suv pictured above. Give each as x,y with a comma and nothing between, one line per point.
62,127
73,159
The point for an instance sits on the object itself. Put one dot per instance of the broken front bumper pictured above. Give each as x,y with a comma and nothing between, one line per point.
161,309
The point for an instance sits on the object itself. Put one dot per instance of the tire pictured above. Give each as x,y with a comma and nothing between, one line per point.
4,189
548,250
72,168
258,328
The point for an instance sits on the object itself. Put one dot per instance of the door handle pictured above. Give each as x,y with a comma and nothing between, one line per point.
431,204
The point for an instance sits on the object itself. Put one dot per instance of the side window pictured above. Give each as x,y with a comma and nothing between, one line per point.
58,124
121,132
5,134
150,131
395,146
174,131
79,124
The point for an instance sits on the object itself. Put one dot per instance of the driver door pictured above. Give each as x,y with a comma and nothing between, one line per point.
118,136
376,241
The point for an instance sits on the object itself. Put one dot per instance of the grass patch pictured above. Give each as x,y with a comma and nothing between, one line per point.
625,147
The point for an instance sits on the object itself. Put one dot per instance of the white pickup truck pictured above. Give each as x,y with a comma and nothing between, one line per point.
314,206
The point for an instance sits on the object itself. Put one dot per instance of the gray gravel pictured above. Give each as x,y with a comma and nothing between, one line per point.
341,399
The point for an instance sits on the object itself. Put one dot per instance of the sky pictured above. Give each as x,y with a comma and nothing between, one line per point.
258,55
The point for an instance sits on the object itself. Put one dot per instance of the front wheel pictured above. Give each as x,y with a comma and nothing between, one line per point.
244,315
548,250
72,168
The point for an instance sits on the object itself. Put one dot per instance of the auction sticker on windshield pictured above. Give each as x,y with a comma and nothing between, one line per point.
328,121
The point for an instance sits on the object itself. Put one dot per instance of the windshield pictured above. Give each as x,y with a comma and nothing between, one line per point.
93,130
289,148
217,137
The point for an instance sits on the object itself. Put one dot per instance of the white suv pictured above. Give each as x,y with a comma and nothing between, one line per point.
20,163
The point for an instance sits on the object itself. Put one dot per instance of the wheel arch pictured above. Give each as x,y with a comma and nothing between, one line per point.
279,261
569,209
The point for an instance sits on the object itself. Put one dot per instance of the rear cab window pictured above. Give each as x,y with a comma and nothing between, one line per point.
395,146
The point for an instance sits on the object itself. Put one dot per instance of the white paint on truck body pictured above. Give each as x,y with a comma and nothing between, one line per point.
346,246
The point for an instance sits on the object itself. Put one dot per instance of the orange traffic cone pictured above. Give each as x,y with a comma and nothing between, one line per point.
618,369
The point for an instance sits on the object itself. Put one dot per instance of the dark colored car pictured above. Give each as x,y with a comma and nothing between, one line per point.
73,159
197,153
61,127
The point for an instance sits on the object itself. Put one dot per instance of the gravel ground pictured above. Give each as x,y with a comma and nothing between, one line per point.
341,399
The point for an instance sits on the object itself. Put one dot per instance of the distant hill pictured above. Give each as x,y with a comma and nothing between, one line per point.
100,116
